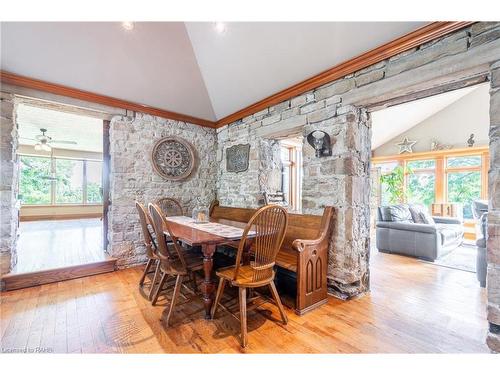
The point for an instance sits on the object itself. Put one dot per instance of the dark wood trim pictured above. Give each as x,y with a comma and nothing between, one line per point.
54,88
25,280
106,172
60,217
415,38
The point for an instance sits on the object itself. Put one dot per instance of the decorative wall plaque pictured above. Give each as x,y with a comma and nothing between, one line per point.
173,158
237,158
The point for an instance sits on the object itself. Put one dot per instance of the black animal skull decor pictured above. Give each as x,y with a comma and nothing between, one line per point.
320,141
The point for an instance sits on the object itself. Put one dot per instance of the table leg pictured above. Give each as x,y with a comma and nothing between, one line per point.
208,283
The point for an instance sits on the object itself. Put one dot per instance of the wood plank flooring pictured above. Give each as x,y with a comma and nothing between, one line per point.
413,307
50,244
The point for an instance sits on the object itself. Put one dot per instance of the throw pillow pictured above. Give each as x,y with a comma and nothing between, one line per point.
400,212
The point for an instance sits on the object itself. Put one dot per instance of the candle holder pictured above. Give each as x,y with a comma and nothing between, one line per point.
201,213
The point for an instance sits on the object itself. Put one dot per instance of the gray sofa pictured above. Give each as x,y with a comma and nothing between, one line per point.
397,232
480,213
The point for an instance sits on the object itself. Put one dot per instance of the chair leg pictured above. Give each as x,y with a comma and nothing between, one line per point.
160,286
193,279
177,289
278,302
143,277
218,296
243,315
155,278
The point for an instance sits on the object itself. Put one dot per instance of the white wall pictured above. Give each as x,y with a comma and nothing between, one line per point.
452,125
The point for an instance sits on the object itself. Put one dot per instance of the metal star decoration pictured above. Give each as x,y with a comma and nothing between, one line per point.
405,145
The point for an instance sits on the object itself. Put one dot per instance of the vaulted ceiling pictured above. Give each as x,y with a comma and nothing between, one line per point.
189,68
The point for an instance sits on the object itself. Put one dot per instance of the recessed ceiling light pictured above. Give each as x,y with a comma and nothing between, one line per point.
128,25
220,27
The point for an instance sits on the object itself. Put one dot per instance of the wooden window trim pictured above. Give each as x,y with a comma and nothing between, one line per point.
441,170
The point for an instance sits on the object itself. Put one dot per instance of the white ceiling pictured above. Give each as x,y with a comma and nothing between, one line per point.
152,64
86,131
390,122
187,68
253,60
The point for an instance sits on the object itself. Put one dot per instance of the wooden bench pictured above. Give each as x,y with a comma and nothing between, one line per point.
304,251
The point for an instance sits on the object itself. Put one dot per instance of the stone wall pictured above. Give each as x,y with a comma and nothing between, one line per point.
133,177
340,109
8,184
493,245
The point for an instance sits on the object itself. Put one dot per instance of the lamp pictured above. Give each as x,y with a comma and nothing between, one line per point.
320,141
42,146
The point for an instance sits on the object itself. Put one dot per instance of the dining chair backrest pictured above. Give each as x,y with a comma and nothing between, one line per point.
146,224
170,206
167,257
269,224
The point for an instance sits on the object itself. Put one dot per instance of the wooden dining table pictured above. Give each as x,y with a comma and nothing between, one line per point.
193,236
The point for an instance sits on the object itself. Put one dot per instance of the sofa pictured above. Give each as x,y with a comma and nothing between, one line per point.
409,230
480,213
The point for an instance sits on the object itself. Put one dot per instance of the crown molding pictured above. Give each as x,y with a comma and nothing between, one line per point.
413,39
54,88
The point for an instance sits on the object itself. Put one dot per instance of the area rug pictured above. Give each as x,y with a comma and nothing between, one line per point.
462,258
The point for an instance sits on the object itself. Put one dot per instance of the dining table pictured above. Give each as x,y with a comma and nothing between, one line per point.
208,235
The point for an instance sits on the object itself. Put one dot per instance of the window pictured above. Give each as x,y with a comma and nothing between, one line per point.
35,180
291,173
443,176
421,182
463,181
69,181
94,178
385,168
54,181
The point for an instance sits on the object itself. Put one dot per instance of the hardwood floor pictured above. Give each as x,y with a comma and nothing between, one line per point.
413,307
50,244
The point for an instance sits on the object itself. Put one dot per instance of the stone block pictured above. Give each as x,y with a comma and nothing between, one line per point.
494,314
480,27
312,107
494,110
321,114
493,342
370,77
485,37
493,285
425,56
271,119
336,88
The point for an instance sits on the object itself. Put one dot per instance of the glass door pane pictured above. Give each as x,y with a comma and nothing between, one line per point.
464,187
69,184
35,180
94,176
421,188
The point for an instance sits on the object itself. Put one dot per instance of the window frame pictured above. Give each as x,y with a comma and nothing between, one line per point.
53,187
441,168
294,164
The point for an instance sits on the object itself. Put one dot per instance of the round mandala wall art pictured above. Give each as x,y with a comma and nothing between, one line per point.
173,158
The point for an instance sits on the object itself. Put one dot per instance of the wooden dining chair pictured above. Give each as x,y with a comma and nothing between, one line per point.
170,206
150,244
174,260
269,223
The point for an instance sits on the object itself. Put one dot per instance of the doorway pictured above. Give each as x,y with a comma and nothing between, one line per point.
63,158
433,153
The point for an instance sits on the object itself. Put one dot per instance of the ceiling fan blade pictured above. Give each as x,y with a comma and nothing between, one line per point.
65,142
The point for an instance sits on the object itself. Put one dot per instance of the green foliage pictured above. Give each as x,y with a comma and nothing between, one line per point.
464,187
394,185
34,180
421,188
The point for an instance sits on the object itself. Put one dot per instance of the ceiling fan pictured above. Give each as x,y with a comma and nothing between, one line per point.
44,142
